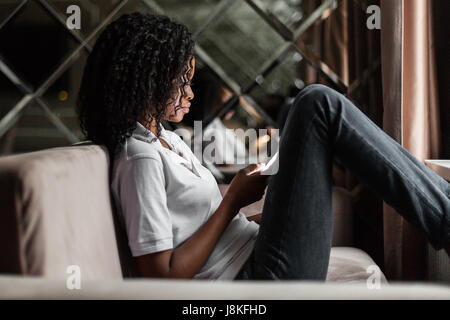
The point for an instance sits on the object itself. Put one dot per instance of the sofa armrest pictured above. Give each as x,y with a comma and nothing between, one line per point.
136,289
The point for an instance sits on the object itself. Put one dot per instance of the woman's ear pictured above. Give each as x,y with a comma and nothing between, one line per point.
191,68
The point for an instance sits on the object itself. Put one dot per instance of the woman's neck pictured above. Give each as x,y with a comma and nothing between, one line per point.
150,125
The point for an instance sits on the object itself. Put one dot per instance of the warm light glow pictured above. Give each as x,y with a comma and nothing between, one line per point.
63,95
261,141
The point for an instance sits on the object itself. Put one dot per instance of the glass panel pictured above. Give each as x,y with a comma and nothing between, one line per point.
278,88
240,42
6,8
9,95
34,44
62,96
291,71
34,131
191,13
130,7
284,81
92,12
289,12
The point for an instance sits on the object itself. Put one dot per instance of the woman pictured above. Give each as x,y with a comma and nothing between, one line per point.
178,225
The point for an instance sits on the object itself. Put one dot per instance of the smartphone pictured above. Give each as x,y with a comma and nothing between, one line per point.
271,167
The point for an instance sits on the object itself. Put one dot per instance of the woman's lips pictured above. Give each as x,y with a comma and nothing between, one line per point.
186,108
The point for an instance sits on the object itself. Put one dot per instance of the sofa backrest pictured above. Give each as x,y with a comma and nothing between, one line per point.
56,211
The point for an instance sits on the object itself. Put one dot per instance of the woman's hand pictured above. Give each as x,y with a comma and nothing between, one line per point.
256,218
247,186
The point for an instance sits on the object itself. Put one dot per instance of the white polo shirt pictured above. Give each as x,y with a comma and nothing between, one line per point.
164,196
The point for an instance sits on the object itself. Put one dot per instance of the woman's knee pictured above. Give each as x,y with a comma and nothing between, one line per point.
312,99
318,97
316,92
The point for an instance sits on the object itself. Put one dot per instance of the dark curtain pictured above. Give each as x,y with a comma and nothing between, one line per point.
441,25
415,89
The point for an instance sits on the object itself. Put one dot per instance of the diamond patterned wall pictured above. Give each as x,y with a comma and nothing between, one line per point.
253,50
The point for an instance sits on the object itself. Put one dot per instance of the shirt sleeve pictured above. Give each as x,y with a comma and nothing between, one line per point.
144,206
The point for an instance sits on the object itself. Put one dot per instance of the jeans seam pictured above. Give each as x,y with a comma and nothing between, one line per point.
283,237
405,177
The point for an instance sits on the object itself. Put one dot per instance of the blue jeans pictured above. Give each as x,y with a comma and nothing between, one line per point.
295,235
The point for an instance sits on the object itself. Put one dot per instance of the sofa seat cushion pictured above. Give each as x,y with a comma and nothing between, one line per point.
352,265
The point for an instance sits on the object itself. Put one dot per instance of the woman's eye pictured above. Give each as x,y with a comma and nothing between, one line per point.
188,83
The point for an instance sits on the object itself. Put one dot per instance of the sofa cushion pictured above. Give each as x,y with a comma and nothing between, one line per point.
56,212
352,265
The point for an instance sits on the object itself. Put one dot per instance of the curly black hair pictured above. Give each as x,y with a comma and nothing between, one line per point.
138,63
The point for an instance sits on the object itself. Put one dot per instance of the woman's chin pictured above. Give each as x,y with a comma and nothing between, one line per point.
177,118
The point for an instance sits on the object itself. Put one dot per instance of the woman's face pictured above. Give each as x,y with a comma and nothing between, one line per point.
175,111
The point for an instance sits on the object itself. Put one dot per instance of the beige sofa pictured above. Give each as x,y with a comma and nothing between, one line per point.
56,211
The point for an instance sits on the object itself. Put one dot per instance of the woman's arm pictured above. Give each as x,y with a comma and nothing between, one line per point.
186,260
255,217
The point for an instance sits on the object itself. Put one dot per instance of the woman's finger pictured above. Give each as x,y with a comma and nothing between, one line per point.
254,168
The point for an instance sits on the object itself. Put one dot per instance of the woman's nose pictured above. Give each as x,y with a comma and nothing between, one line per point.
189,94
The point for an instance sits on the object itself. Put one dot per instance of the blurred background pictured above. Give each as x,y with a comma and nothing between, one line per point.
253,57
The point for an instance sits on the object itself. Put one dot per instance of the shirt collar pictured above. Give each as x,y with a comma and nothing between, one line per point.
142,133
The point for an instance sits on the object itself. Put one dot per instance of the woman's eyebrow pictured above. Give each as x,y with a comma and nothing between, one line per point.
187,75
